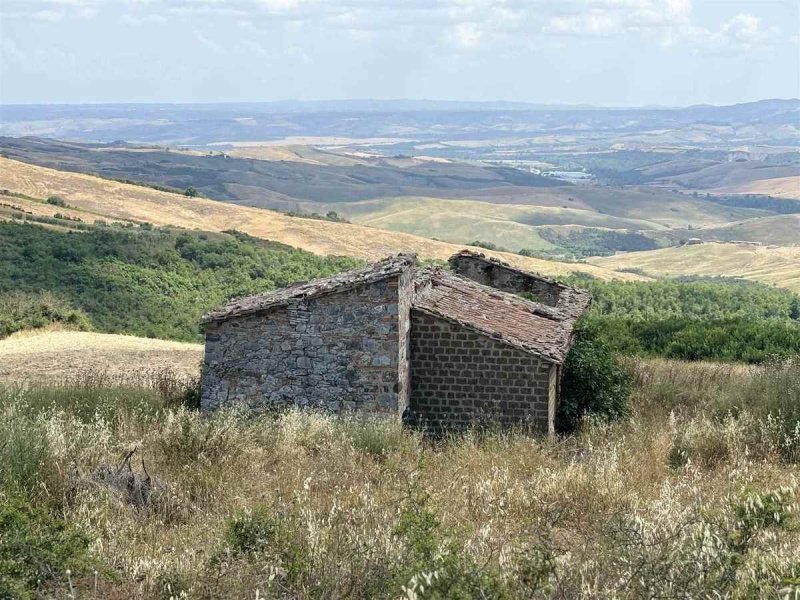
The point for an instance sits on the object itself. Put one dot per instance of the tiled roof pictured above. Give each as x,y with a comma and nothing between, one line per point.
384,269
530,326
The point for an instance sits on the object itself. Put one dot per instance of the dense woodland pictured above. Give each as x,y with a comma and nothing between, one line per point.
140,281
695,319
156,283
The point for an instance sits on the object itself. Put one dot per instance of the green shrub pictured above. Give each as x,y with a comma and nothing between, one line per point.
32,310
57,201
594,383
695,319
36,548
435,567
251,531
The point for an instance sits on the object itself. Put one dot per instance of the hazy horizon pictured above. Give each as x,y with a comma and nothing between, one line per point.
604,53
511,104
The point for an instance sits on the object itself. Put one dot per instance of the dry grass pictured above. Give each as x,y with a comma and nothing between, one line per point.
780,187
778,266
311,506
51,355
119,201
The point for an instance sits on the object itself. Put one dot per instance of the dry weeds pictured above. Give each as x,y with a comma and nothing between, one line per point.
313,506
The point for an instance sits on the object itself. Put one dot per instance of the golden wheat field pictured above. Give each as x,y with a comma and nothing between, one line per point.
39,355
112,200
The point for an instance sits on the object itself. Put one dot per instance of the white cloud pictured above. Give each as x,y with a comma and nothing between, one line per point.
466,35
131,19
610,17
210,44
748,32
460,24
52,16
668,22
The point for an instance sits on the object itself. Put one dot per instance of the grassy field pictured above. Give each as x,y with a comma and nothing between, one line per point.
99,198
507,225
779,230
694,497
780,187
36,356
771,265
509,217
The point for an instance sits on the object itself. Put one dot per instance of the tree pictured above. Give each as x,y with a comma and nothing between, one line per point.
594,383
191,192
794,309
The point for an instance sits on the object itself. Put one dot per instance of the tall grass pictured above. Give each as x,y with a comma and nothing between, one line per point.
694,497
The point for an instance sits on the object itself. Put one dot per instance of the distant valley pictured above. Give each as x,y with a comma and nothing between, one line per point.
563,183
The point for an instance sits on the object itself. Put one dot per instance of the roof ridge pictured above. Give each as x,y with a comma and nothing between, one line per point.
246,305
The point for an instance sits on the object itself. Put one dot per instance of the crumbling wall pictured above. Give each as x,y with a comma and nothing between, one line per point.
460,378
342,351
405,300
507,279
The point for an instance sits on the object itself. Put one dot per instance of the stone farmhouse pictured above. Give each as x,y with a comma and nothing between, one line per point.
444,350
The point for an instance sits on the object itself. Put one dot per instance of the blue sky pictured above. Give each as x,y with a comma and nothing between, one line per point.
603,52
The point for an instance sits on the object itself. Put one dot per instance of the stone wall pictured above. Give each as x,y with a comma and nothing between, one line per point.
460,378
406,297
506,279
341,351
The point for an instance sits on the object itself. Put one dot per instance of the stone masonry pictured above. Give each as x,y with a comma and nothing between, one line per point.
346,349
443,351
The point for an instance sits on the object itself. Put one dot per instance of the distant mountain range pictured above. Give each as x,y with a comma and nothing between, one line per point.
200,124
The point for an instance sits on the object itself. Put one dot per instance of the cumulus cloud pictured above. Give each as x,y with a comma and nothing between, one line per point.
669,22
747,31
463,25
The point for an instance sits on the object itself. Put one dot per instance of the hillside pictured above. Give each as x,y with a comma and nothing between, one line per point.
99,198
780,187
53,355
771,265
781,230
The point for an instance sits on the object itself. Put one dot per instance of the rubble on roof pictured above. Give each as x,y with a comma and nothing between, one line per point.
530,326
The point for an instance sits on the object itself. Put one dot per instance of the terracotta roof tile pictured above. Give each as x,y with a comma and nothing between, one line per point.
530,326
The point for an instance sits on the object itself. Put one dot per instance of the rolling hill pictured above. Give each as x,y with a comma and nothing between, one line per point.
772,265
779,187
96,198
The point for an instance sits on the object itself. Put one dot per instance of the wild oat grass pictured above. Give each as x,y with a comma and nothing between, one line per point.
694,497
